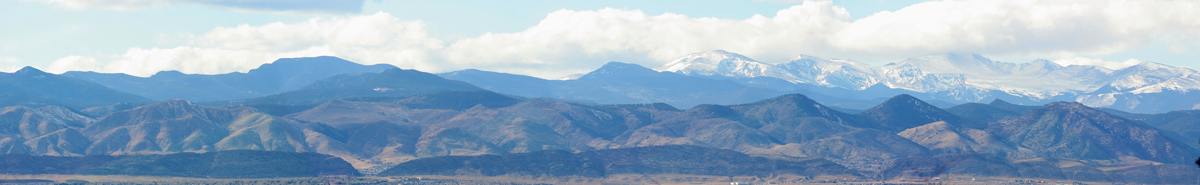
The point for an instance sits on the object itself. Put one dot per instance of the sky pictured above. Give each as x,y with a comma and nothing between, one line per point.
550,39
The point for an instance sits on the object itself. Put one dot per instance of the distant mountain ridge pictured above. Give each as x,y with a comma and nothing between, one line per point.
393,82
35,88
619,83
1072,130
280,76
702,78
962,78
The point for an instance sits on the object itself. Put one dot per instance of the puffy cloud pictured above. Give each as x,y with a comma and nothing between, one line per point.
568,42
10,64
1019,28
145,62
378,38
73,63
271,6
572,39
1097,62
1054,29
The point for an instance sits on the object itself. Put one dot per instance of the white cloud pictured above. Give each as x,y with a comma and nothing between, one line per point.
1030,29
10,64
269,6
119,5
1019,28
370,39
582,40
73,63
568,42
1097,62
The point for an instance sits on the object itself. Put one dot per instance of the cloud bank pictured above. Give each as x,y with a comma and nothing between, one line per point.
568,42
10,64
270,6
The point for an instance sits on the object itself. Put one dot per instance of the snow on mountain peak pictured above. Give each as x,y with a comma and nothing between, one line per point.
1160,68
705,60
1148,74
955,63
963,76
1080,61
719,63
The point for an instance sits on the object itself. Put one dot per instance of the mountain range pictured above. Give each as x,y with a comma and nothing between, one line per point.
1147,87
720,77
375,120
619,83
32,87
376,134
280,76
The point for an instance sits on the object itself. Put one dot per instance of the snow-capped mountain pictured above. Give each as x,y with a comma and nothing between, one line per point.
723,63
960,77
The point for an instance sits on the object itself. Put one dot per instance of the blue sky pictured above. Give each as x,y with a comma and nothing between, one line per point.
554,38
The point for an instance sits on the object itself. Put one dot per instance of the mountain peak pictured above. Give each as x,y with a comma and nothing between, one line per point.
807,57
1004,105
1161,68
956,63
1039,66
29,70
299,60
796,99
1067,105
721,63
722,54
998,102
908,103
392,71
718,54
1151,65
1073,130
618,69
706,61
409,78
311,66
904,99
467,71
620,65
786,107
171,73
905,111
